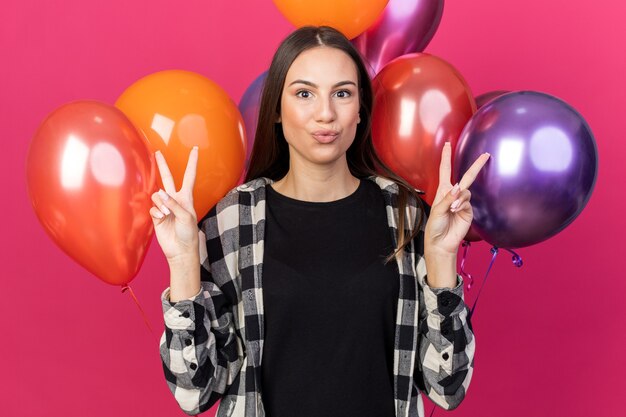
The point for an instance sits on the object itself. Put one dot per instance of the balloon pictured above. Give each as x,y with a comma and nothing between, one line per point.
420,102
472,235
481,100
405,26
542,172
351,17
249,108
90,177
485,98
179,109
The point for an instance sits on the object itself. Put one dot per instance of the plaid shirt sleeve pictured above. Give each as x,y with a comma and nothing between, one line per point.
445,339
201,349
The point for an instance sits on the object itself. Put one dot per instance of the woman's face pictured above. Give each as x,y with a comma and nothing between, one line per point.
320,106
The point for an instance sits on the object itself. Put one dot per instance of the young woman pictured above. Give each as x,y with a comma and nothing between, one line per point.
319,288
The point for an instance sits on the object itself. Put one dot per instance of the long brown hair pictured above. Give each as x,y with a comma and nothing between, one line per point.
270,153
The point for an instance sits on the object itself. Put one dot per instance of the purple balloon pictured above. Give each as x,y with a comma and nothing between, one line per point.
249,108
481,100
542,170
405,26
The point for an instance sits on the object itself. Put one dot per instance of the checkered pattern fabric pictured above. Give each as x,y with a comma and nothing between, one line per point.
212,345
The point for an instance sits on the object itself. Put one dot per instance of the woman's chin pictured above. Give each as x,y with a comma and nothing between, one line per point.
325,157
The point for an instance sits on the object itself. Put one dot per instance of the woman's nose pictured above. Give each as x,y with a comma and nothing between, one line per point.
325,111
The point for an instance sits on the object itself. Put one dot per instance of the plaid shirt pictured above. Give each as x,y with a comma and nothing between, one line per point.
212,346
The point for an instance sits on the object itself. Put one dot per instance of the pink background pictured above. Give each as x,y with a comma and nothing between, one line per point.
550,336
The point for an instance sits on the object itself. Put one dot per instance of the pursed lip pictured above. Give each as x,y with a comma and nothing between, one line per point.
325,133
325,136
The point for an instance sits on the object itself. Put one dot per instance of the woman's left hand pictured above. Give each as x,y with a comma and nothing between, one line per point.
451,212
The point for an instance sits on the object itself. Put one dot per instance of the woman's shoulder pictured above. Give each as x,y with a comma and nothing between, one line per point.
252,185
232,197
389,186
236,196
384,183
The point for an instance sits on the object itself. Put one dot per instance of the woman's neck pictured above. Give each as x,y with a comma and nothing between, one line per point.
317,183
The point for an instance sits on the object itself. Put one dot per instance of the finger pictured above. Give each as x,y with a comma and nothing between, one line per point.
158,199
466,205
166,175
176,209
190,172
472,172
445,168
462,197
157,215
444,204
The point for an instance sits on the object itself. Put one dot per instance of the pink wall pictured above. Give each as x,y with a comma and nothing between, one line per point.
550,336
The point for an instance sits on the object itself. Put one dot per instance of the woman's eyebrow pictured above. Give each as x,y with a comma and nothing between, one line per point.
340,83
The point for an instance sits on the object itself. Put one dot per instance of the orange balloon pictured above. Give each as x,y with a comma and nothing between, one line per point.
179,109
90,176
351,17
420,102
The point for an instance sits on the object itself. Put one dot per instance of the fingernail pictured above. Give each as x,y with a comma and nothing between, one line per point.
165,210
163,195
447,143
455,204
195,147
159,215
455,189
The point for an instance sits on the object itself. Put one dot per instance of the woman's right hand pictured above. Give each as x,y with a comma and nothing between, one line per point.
173,215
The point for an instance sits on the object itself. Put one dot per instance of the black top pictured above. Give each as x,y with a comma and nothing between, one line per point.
330,306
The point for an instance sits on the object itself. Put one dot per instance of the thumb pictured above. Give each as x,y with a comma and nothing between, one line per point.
448,199
177,210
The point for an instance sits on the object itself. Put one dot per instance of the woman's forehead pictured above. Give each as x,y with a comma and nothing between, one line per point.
322,66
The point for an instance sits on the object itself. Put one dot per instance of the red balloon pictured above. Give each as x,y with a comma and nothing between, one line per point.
420,103
472,235
485,98
90,176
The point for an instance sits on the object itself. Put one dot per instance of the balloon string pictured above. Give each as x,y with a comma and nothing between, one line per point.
494,252
516,259
470,279
143,314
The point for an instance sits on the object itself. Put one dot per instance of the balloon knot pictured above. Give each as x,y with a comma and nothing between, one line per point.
516,259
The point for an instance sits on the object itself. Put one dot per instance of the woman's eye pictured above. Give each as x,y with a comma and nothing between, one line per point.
303,94
343,93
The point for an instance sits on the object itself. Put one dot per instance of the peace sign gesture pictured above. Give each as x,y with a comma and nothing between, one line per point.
451,213
173,214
